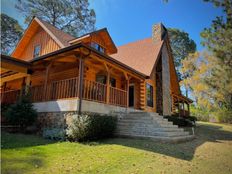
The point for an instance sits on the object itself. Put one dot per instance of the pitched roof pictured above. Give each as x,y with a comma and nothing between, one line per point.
60,36
140,55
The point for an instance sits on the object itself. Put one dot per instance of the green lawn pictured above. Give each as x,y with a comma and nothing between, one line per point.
210,152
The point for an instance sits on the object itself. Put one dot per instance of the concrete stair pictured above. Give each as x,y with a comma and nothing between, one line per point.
145,125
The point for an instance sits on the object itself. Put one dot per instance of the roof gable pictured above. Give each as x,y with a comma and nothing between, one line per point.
61,38
101,34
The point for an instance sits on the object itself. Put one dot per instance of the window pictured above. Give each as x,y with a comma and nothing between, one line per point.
97,47
149,93
36,51
102,79
112,82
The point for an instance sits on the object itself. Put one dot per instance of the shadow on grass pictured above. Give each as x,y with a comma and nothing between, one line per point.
185,151
11,141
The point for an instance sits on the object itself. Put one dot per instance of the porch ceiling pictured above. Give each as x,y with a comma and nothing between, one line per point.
12,68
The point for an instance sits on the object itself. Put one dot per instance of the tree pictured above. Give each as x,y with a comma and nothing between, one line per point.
181,46
71,16
217,39
11,32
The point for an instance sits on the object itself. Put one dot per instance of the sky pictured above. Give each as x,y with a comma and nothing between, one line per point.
131,20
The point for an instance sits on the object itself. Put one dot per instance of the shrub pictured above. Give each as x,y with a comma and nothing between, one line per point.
90,127
180,121
21,113
223,116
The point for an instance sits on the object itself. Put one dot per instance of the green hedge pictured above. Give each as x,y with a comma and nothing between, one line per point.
182,122
21,113
91,127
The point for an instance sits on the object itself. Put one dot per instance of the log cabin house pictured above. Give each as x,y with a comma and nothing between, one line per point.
89,73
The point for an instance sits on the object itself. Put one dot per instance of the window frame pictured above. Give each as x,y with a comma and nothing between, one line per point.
98,47
36,46
150,102
105,80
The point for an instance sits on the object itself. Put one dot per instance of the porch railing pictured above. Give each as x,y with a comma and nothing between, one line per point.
94,91
9,97
118,97
68,88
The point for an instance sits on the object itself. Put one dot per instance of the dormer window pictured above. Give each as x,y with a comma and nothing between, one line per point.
36,51
97,47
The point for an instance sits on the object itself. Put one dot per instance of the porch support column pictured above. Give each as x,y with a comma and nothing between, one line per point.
22,90
3,92
183,108
28,83
178,106
188,109
46,81
80,82
107,83
127,87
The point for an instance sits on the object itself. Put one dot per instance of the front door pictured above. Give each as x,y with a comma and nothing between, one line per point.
131,96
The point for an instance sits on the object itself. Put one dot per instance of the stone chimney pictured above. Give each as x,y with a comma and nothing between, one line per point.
158,32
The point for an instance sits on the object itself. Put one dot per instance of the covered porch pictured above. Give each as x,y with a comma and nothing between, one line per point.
180,105
80,73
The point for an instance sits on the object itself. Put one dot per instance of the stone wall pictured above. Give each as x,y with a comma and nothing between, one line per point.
49,120
166,82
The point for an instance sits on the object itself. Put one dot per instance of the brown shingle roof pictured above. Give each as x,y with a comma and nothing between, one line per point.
140,55
62,37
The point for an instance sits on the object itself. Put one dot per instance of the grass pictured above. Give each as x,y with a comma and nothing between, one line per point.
210,153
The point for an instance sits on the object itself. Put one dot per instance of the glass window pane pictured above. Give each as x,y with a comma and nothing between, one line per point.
149,95
36,51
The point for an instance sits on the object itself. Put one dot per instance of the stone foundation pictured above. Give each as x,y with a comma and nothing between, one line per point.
54,120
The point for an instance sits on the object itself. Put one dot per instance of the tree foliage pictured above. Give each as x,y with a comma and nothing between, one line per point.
217,39
11,32
208,74
71,16
181,45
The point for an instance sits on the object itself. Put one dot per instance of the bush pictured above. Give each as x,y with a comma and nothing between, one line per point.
201,114
91,127
180,121
223,116
21,113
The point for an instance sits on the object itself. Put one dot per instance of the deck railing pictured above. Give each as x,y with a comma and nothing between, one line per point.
68,88
94,91
36,93
9,97
118,97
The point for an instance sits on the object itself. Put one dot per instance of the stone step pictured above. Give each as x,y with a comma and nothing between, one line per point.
144,118
160,138
151,127
145,122
152,133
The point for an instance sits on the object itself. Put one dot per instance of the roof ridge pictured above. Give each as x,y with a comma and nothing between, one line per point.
56,33
135,41
54,26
